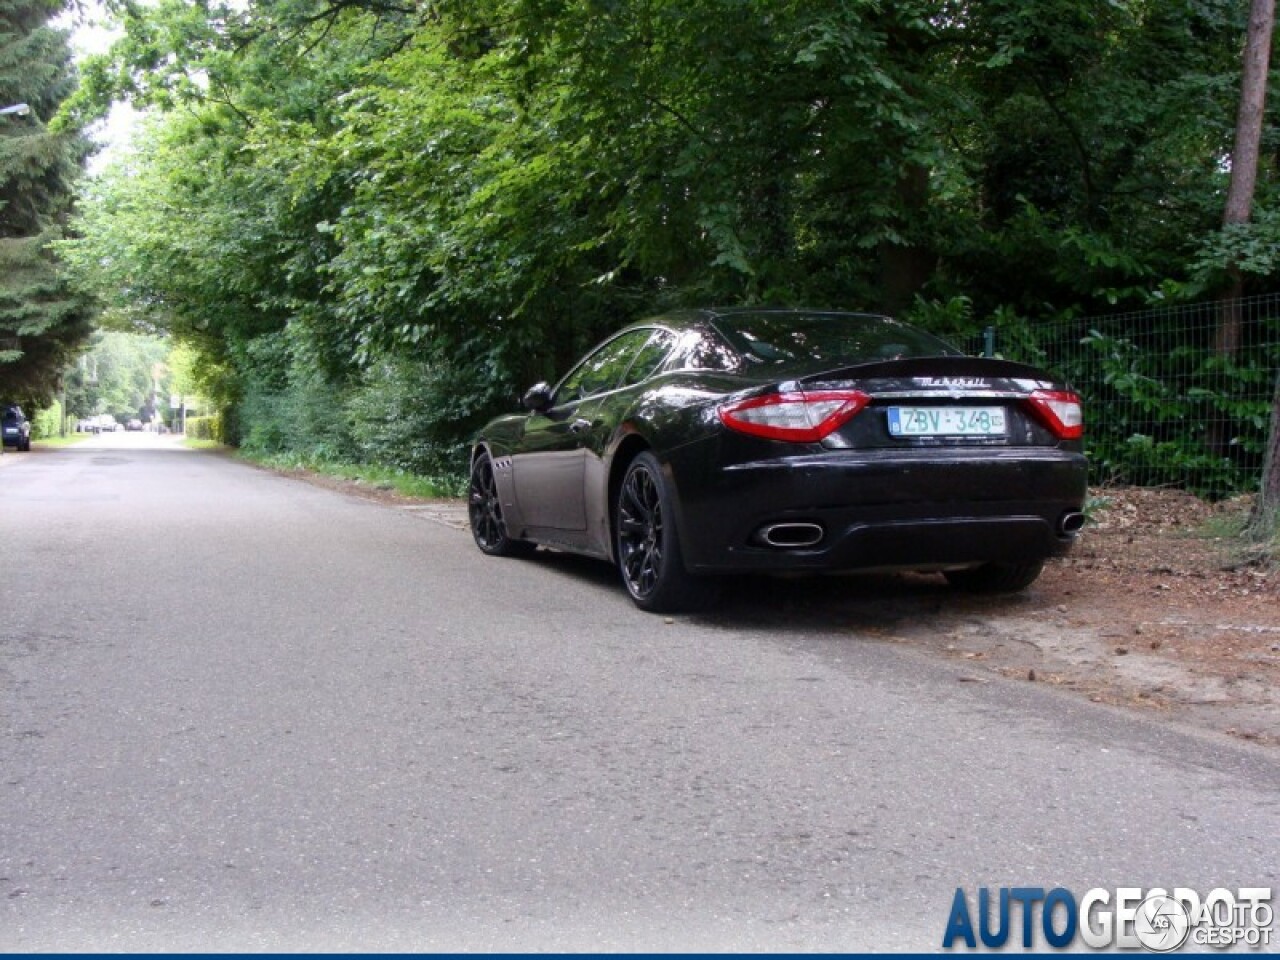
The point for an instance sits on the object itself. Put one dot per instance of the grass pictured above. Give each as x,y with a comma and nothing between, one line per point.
1243,540
1224,526
197,444
380,478
1263,537
1096,505
69,440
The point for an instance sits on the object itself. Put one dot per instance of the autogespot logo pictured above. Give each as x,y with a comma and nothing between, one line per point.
1162,923
1128,918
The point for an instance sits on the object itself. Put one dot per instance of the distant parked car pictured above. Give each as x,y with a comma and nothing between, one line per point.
134,424
15,428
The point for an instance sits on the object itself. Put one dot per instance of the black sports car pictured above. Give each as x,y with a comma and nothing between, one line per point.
717,441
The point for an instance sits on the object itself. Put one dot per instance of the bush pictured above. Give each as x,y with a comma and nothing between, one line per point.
405,414
47,422
205,428
290,407
417,416
1170,412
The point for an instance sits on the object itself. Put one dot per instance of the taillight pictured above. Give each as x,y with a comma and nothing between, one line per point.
1060,411
797,417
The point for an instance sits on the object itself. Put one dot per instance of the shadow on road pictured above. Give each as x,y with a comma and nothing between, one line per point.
808,604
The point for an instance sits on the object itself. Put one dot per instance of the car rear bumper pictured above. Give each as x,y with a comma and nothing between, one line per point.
880,509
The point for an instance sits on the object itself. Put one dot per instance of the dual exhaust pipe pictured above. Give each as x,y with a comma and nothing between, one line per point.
790,536
797,535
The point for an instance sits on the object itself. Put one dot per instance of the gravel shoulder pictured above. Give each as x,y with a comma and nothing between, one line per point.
1158,608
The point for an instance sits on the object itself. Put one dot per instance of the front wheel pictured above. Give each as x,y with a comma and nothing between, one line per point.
484,508
648,544
997,577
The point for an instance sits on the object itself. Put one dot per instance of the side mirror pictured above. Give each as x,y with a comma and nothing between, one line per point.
538,397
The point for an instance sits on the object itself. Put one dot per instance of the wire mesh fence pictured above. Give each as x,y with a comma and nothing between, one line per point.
1177,396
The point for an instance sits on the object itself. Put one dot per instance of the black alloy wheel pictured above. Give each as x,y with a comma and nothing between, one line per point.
648,546
484,507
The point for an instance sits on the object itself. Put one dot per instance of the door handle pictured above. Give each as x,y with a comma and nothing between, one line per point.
580,426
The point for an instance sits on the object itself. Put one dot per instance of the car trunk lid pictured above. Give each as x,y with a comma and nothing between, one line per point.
951,401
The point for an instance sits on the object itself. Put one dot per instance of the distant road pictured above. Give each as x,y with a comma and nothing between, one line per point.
241,712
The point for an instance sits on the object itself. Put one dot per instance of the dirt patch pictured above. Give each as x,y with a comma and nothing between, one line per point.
1158,608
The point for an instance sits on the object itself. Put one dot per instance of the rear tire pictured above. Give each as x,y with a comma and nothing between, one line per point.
648,544
484,508
997,577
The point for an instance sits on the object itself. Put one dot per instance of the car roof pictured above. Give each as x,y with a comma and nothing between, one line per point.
704,317
798,311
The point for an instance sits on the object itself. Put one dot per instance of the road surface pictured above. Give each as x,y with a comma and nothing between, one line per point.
241,712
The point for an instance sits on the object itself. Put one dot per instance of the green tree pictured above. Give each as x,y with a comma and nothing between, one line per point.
117,376
360,206
207,231
42,320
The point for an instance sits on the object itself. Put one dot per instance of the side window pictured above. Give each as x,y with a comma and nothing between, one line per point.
650,357
705,351
603,369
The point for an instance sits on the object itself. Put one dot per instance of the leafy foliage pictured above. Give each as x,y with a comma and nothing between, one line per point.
42,320
118,375
376,223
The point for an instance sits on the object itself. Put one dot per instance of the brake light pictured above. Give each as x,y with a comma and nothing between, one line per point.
796,417
1060,411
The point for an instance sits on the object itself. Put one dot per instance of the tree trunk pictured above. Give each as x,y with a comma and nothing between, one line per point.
1244,154
1244,178
906,268
1265,522
1244,174
1253,97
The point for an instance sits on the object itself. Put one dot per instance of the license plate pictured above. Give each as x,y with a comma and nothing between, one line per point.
946,421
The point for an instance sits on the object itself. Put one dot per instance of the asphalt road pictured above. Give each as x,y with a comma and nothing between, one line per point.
241,712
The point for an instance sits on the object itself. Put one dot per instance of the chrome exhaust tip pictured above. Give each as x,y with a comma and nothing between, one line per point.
1070,523
790,536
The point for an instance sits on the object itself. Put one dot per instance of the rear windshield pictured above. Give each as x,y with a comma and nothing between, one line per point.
785,338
